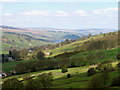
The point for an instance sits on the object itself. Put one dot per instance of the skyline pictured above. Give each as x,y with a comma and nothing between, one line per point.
64,15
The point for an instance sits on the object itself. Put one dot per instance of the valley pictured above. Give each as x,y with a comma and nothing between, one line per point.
70,57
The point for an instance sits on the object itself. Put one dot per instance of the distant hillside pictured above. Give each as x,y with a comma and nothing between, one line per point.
21,38
20,41
9,27
107,40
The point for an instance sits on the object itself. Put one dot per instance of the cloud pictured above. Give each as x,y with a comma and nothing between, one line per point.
45,13
74,13
61,13
106,10
8,14
105,18
56,13
80,13
42,13
8,0
61,1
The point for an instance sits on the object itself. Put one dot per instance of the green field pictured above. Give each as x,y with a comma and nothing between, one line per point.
20,42
10,65
79,78
72,46
82,62
109,55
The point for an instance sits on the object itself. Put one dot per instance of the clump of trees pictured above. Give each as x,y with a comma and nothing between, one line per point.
33,66
100,81
40,55
109,41
39,82
115,81
23,53
66,54
13,84
15,54
42,81
105,66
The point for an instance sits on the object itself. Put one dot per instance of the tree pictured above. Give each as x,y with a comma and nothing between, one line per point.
30,84
115,81
110,67
10,53
13,84
99,81
15,54
24,53
42,81
105,66
89,35
68,75
64,69
3,58
95,82
45,80
118,56
73,64
118,65
105,78
25,67
40,55
91,71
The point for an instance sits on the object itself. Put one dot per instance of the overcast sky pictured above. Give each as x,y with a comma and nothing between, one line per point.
63,15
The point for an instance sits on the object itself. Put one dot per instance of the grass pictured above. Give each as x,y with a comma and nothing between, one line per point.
10,65
57,72
80,81
79,78
109,55
20,42
70,47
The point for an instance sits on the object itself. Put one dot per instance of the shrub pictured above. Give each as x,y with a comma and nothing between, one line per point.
13,84
91,71
64,69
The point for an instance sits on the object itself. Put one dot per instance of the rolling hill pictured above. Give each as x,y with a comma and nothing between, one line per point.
21,38
75,46
78,57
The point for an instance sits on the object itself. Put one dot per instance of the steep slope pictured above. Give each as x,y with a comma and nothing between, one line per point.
84,43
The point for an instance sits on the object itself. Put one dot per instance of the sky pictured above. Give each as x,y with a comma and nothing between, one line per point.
61,15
